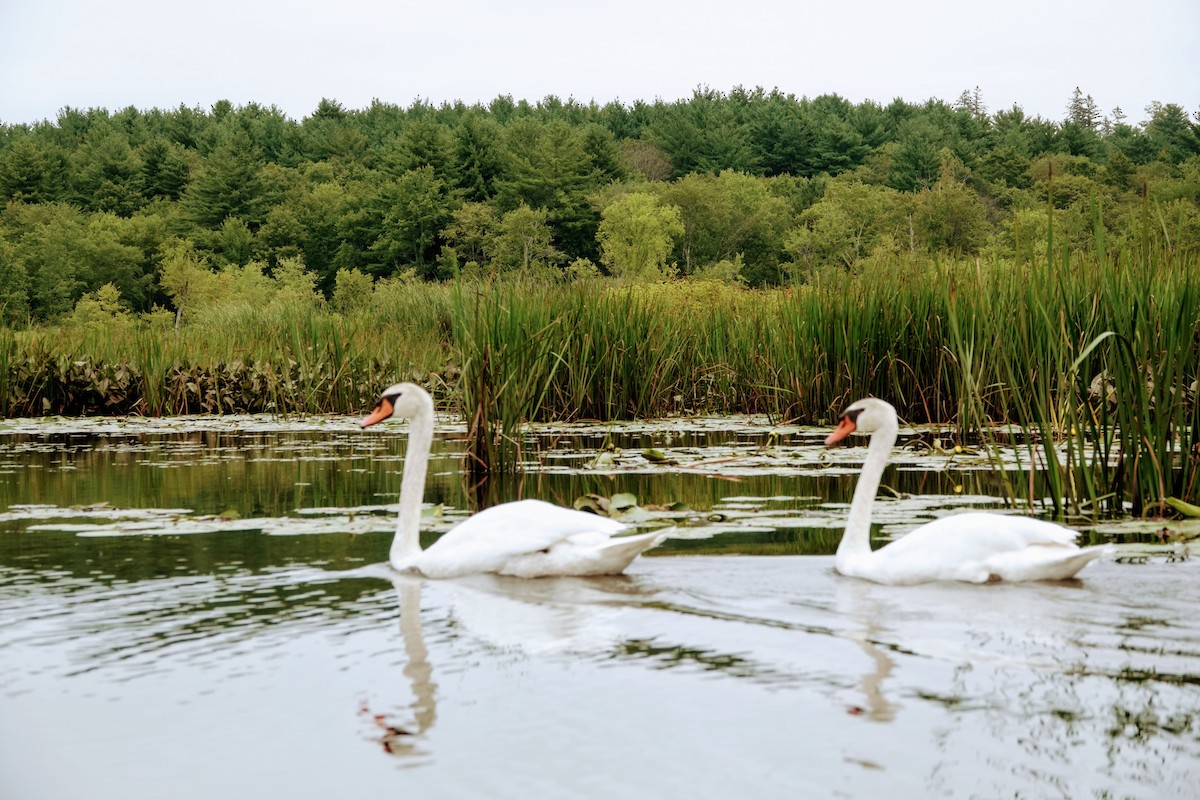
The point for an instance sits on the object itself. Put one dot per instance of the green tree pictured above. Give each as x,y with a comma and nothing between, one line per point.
187,279
165,169
423,143
702,135
329,133
411,210
101,309
637,233
480,154
309,223
1118,172
351,291
847,224
249,285
1006,166
295,285
549,166
110,257
524,242
31,171
103,173
14,286
1077,140
782,136
605,154
228,183
1132,143
45,241
949,218
471,229
1083,111
1172,135
232,243
839,145
726,215
916,158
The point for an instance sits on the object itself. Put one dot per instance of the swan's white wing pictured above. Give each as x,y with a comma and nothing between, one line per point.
981,534
490,540
583,555
978,547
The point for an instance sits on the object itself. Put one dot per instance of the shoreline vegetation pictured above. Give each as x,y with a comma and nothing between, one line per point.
747,252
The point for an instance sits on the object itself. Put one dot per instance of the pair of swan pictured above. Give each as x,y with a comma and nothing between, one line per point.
531,538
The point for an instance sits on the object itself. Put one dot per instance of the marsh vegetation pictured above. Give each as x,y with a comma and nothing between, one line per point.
747,252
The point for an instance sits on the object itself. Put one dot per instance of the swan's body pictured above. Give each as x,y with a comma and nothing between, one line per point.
527,539
976,547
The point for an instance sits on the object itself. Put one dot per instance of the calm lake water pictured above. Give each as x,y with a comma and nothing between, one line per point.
197,608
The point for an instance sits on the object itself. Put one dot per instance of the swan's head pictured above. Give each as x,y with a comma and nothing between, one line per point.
864,416
403,400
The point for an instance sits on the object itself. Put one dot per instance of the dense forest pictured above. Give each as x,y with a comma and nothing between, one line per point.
141,210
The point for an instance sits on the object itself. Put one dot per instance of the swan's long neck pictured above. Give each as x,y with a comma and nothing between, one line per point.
407,542
857,538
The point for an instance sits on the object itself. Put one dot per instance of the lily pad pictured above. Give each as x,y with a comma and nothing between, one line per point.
622,501
656,456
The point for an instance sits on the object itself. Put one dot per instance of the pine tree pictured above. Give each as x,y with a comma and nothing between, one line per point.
1083,111
229,184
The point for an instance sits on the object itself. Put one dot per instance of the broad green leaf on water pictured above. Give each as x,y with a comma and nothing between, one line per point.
632,515
623,501
602,461
654,455
1187,509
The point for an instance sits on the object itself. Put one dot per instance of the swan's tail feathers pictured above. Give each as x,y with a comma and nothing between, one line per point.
1045,563
1072,565
613,556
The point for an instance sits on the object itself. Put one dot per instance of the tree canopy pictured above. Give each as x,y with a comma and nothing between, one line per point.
767,185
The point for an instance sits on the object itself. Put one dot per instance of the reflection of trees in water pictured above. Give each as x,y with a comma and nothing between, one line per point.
110,623
1031,689
672,656
1050,724
270,473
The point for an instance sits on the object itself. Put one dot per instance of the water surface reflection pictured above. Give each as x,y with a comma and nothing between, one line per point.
266,652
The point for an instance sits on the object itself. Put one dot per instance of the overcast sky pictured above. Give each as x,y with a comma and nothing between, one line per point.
292,53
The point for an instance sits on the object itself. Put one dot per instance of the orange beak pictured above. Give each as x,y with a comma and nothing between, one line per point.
381,412
844,429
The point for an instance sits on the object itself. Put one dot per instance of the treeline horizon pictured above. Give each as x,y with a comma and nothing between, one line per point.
182,209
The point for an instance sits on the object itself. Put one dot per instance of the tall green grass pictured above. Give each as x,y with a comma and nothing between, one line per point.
1091,359
981,345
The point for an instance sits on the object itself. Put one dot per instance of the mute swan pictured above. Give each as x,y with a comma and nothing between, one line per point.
526,539
975,547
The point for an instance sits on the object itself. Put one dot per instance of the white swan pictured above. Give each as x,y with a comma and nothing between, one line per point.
977,547
526,539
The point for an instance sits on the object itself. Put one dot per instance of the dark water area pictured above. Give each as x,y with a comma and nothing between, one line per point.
198,608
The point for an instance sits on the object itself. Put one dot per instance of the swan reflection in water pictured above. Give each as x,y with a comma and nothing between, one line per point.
549,616
856,602
404,739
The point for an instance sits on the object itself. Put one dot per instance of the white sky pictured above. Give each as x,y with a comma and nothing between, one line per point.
291,53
